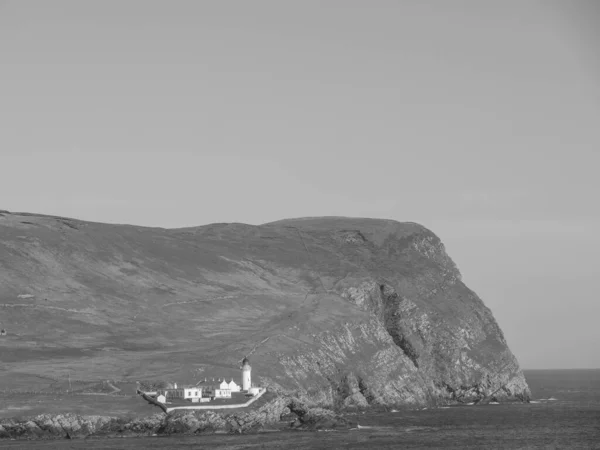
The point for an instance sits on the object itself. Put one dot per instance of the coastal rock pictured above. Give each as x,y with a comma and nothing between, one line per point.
192,422
71,426
48,426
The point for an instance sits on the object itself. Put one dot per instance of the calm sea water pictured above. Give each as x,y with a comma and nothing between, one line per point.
564,414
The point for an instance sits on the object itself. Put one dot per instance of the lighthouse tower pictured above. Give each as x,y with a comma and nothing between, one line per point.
246,377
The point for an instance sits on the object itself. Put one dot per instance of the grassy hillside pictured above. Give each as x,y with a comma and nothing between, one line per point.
132,303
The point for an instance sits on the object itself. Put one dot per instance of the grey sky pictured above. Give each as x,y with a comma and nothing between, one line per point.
479,119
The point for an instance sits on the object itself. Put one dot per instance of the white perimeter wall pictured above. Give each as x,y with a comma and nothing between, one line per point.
239,405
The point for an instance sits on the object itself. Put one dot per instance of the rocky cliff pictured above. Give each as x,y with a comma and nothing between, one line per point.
73,426
334,311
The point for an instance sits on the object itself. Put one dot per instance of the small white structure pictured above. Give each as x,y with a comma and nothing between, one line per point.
246,375
185,393
254,391
192,392
161,399
216,389
234,387
223,391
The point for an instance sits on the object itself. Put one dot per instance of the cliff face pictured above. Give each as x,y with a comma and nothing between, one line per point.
335,311
430,338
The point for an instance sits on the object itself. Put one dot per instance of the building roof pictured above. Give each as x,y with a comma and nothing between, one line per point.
178,388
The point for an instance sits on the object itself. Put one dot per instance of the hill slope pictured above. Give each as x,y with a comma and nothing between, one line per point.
340,311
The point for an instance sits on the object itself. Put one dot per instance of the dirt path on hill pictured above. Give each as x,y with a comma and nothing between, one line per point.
115,389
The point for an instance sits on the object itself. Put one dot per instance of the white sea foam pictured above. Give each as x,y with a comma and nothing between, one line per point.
533,401
494,403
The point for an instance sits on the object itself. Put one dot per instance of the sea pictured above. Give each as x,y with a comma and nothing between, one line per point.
563,414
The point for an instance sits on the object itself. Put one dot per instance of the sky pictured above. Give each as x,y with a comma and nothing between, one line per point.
478,119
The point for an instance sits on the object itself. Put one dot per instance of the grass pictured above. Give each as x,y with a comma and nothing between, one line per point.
26,405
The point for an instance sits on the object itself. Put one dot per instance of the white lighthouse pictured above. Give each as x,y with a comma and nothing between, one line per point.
246,377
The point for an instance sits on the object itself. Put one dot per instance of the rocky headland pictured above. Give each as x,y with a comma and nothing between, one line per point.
334,313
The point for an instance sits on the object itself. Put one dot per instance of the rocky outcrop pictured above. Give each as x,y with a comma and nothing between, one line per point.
71,426
335,312
430,340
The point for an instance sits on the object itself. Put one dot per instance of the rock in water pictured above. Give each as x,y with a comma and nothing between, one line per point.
334,311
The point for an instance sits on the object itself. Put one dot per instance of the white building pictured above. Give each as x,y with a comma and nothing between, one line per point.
185,393
223,391
234,387
254,391
220,388
217,389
